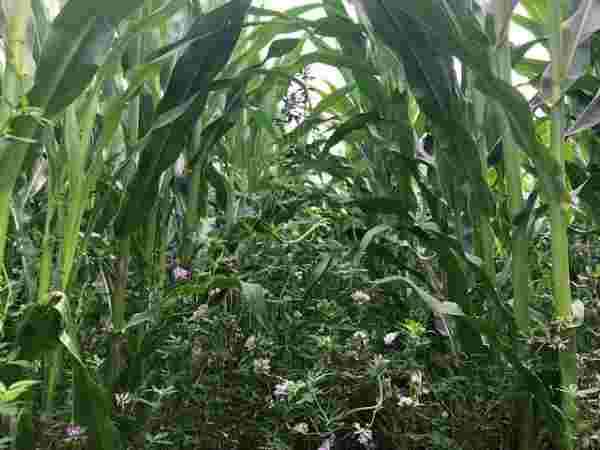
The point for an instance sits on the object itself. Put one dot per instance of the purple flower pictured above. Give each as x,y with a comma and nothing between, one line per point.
73,432
179,273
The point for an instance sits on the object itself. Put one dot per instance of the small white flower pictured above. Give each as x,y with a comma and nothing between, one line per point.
262,366
404,401
250,344
416,384
214,291
416,377
379,361
360,340
389,338
360,297
445,414
326,444
301,427
364,435
123,399
281,390
325,341
201,312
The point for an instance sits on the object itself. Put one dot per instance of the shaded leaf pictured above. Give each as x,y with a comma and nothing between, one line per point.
356,122
253,295
589,118
282,47
576,31
39,331
318,271
192,77
436,306
367,238
79,38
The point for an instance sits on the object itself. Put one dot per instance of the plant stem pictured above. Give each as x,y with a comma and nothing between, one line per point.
20,14
560,250
523,414
520,244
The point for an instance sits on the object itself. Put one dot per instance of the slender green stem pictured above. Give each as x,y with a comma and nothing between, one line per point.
4,215
560,249
486,248
119,299
15,69
45,267
523,413
520,244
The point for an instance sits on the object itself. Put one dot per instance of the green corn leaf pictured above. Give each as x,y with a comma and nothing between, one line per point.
254,296
15,390
319,270
358,122
282,47
441,32
39,331
192,77
589,118
76,45
92,409
368,238
436,306
74,48
518,53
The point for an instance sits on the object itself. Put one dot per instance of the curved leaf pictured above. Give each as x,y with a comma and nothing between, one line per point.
436,306
282,47
77,42
192,77
357,122
367,238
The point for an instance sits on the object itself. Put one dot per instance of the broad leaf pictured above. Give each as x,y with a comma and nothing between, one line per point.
39,331
282,47
589,118
440,33
319,270
359,121
253,295
436,306
77,43
576,31
367,238
192,77
74,48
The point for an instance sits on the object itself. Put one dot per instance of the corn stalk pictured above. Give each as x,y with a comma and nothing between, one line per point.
560,245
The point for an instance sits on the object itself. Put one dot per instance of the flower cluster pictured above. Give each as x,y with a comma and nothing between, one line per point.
74,433
390,338
281,391
364,435
123,400
379,362
301,428
360,297
262,366
200,313
181,274
287,389
360,340
250,344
